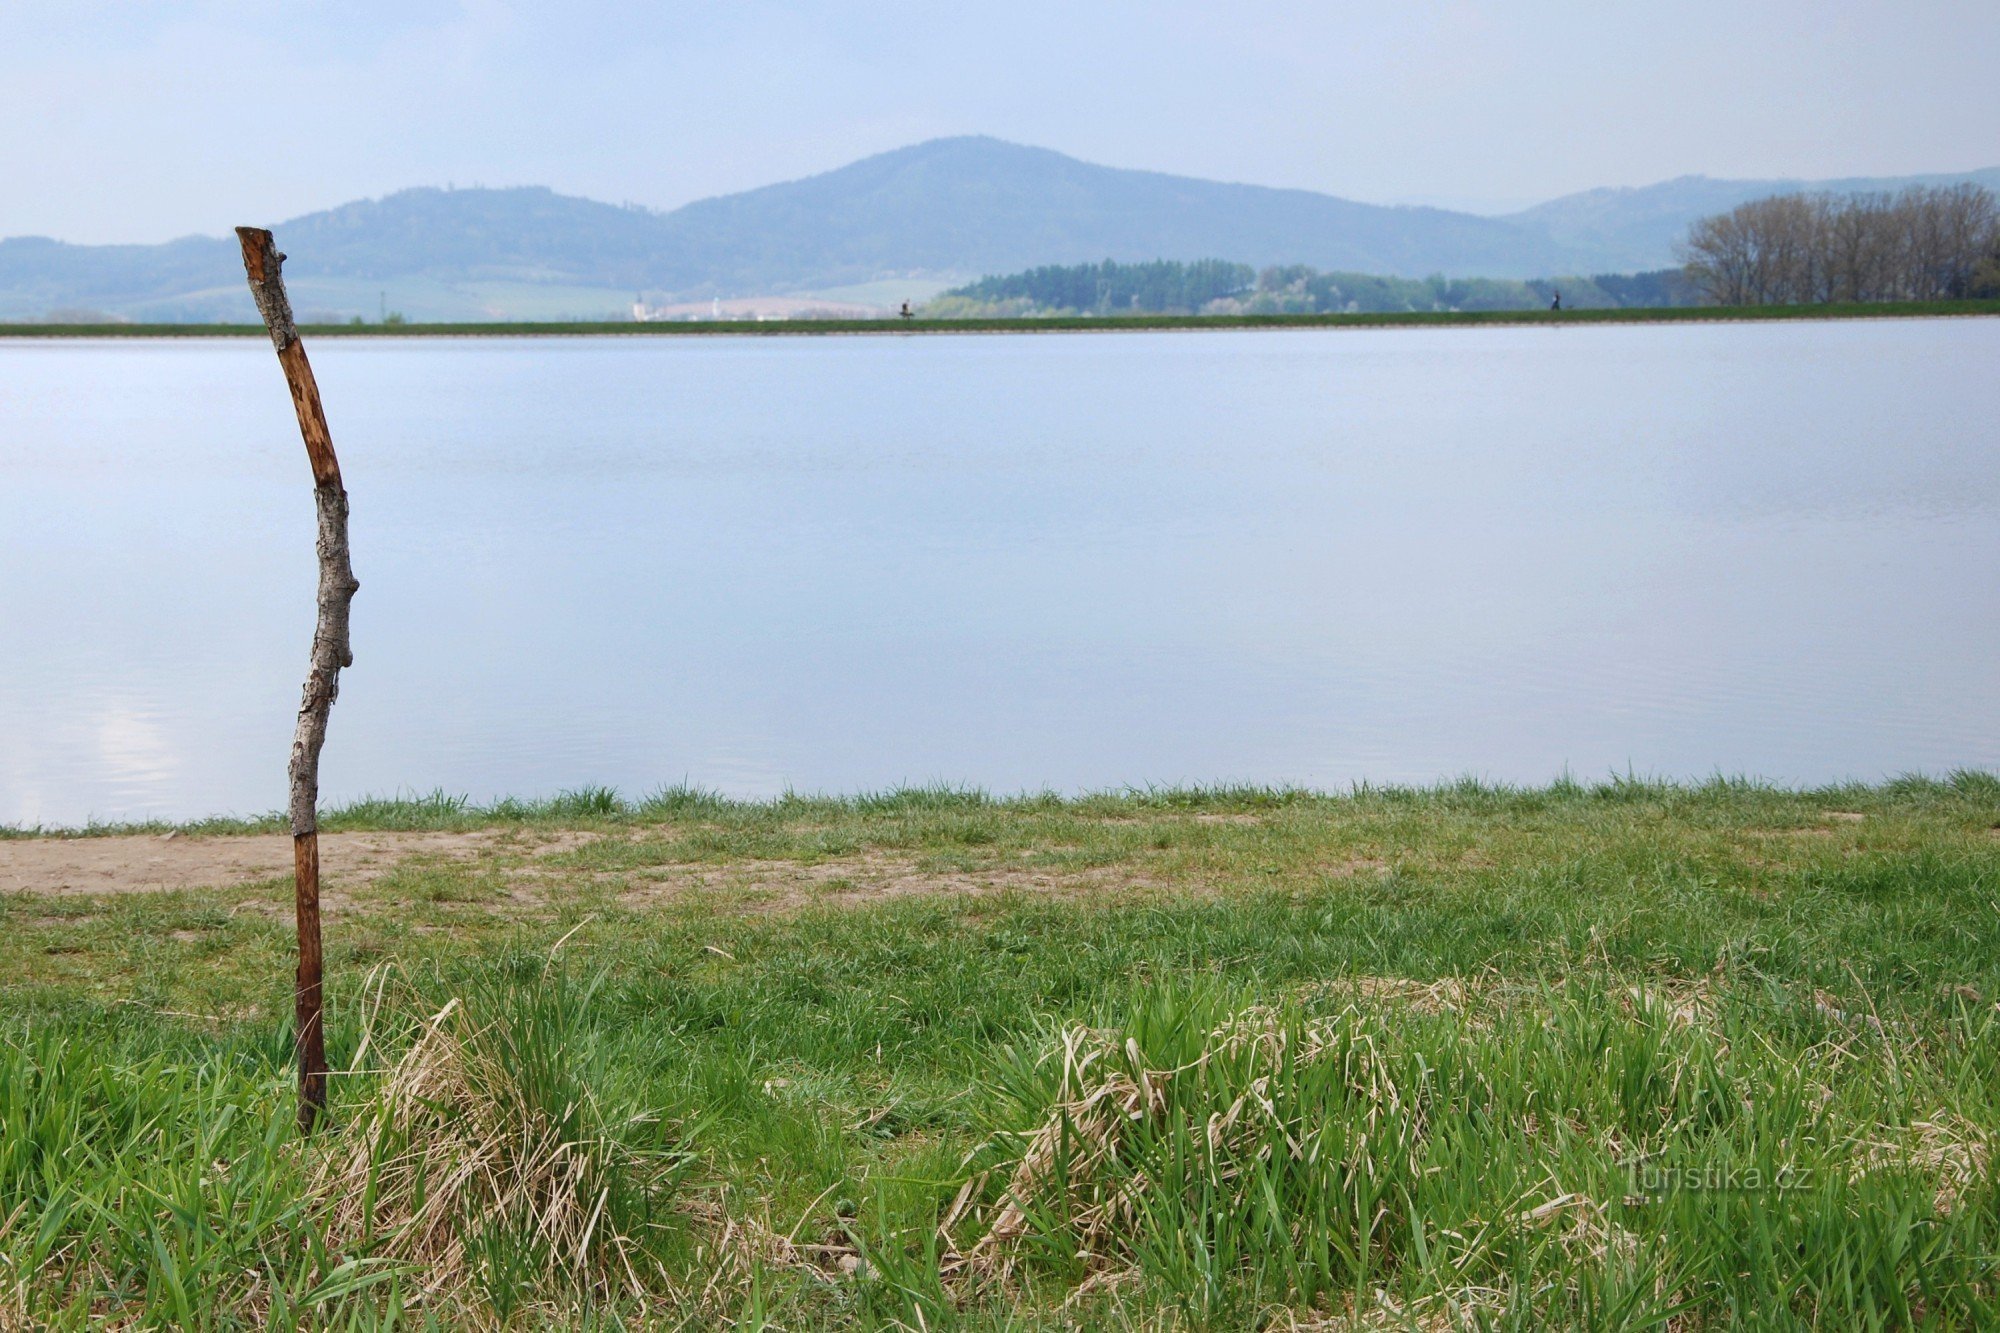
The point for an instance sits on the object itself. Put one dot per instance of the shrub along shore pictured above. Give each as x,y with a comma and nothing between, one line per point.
1582,1056
1053,324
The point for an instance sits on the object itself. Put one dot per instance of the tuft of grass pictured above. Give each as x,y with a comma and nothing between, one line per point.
481,1174
435,809
485,1159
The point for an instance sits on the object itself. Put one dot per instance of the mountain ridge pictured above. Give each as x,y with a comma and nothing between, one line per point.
937,212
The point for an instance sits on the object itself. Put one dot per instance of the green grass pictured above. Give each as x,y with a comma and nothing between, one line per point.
1620,1055
1082,323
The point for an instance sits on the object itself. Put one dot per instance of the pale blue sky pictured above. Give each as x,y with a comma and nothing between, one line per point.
144,119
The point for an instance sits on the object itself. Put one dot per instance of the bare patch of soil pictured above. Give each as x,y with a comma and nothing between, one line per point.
84,867
870,877
851,881
159,864
1182,817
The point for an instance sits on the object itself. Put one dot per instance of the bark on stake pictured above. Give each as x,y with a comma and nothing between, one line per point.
330,652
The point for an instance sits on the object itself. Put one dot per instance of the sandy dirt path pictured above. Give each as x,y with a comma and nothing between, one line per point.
107,866
152,864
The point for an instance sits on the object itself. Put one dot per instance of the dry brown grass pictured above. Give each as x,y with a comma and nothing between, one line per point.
1946,1148
1109,1088
451,1148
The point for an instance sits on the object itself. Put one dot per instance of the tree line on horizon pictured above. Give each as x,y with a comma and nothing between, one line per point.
1923,243
1155,287
1218,287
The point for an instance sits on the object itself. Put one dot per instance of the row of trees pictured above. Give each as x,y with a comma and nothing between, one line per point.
1112,288
1924,243
1299,289
1214,287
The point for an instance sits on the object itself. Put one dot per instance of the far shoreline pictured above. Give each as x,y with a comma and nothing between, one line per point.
888,327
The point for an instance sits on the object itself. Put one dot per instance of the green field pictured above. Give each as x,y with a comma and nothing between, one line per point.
1614,1056
1091,323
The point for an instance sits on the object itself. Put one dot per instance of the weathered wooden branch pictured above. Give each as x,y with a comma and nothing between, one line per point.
330,652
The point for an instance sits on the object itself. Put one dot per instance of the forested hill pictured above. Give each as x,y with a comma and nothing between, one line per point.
944,211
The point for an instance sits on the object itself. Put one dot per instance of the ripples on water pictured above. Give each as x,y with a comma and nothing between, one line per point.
1019,562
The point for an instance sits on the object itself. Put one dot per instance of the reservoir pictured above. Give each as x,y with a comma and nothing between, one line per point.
1065,562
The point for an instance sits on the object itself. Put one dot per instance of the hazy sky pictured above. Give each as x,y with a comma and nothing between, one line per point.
144,119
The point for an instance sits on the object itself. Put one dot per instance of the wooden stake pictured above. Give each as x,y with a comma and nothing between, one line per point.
330,652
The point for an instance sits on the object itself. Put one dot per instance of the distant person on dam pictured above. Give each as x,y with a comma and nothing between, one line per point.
1557,304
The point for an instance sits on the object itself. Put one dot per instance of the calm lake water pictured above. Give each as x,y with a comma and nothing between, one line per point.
1069,562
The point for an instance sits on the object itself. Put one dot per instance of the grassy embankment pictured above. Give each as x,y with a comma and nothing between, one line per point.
1593,1057
1081,323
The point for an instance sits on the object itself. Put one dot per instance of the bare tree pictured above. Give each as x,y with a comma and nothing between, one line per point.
1923,244
1861,250
1789,226
1968,222
1924,257
1719,256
